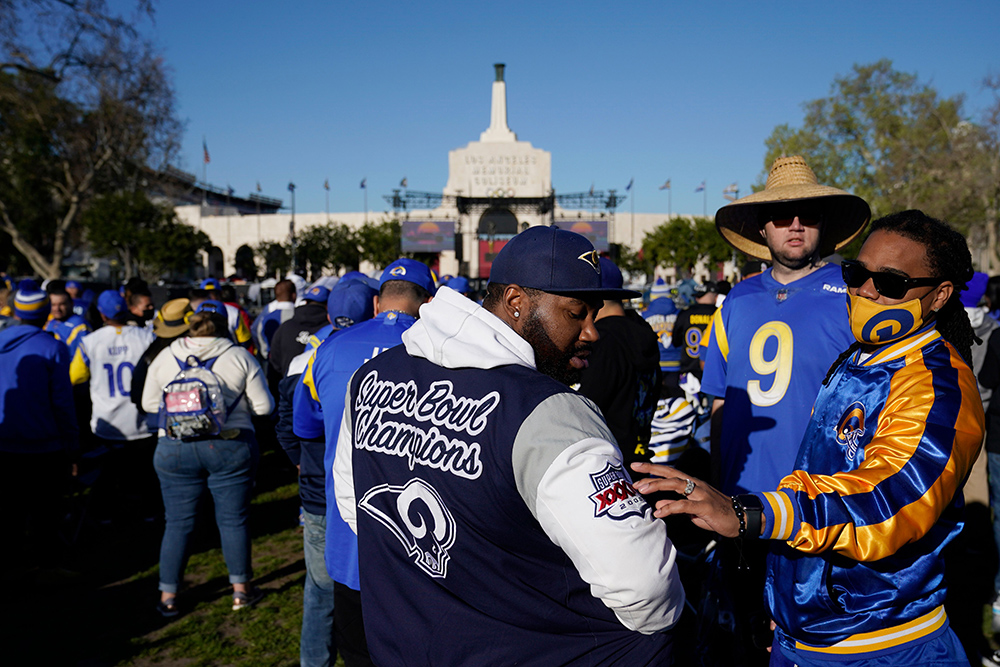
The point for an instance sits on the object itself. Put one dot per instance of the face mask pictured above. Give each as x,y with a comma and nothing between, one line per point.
875,324
976,316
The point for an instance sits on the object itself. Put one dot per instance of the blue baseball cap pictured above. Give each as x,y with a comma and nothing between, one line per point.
357,276
351,302
459,284
553,260
317,293
209,283
212,306
409,270
31,304
111,304
72,284
611,275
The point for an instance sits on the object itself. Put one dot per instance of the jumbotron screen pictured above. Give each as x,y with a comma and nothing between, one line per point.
596,231
428,235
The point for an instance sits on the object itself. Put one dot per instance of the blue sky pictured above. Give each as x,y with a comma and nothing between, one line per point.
307,91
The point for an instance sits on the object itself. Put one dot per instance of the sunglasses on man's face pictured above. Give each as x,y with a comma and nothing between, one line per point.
889,285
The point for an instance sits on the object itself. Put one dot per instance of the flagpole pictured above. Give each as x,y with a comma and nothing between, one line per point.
328,202
632,231
704,195
670,199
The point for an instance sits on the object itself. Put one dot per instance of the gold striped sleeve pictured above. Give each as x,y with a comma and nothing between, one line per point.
876,522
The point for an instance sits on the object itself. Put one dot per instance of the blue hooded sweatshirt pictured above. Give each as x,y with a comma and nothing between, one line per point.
36,397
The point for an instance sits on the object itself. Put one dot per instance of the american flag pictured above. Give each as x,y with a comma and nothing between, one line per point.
665,186
701,187
204,148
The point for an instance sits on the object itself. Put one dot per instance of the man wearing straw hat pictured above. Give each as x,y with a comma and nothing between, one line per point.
772,343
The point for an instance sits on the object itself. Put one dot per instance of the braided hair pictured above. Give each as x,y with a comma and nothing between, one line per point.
949,259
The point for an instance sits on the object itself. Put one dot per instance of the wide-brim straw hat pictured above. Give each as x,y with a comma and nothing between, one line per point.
172,319
844,215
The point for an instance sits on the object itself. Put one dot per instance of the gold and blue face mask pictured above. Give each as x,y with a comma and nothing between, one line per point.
875,324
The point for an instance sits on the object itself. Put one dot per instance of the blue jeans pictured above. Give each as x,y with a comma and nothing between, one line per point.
316,646
993,463
226,468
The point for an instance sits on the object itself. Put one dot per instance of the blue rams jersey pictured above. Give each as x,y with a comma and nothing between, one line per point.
661,315
319,406
71,331
771,346
875,498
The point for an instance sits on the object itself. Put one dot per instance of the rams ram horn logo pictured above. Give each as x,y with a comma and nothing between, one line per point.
591,257
398,271
851,428
417,516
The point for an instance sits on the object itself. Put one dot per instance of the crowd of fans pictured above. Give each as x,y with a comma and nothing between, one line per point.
839,443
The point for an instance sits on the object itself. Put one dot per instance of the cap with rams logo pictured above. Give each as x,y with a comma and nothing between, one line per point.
111,304
31,305
409,270
553,260
317,293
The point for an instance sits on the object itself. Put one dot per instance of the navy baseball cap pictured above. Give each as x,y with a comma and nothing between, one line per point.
111,304
350,303
317,293
410,270
553,260
611,275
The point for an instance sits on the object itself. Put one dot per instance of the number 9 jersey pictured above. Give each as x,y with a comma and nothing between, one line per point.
771,346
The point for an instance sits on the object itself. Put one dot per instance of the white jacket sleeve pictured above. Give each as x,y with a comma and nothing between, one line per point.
257,392
570,475
343,469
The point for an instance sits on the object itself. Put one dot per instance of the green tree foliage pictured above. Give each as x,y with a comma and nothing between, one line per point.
275,256
379,243
893,140
85,108
145,237
331,246
681,243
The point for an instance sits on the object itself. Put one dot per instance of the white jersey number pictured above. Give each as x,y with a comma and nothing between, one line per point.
780,365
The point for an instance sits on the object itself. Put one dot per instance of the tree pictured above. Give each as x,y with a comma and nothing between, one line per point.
886,137
330,246
276,257
379,243
146,238
85,108
682,243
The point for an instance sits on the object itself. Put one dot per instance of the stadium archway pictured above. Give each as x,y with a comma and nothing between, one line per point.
246,268
497,222
216,266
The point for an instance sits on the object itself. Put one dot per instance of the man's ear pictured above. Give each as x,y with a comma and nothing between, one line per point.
515,303
375,301
941,295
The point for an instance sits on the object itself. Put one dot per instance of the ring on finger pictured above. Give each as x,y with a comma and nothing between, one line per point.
688,488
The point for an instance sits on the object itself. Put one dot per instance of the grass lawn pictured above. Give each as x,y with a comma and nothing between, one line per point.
106,615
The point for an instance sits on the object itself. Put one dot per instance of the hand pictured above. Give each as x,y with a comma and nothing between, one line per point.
709,509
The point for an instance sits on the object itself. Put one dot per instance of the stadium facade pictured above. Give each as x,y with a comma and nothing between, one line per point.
497,186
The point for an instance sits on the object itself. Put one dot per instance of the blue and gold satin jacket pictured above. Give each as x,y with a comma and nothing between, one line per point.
875,498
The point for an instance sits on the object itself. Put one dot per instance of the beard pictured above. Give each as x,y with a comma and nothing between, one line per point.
549,359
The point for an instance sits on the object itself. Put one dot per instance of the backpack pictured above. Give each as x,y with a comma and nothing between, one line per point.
192,404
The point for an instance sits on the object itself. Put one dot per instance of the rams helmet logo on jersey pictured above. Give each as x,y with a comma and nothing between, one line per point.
851,428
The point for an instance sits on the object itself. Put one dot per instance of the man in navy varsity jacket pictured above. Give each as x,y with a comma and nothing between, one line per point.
495,522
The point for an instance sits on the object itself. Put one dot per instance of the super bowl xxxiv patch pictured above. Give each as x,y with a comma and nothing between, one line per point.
614,496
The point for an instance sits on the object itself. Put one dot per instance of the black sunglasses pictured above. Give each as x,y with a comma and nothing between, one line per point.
889,285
